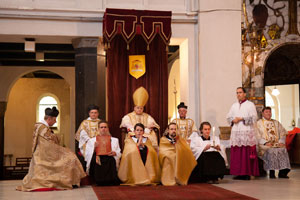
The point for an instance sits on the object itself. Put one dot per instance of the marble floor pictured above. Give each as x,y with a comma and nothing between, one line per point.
260,188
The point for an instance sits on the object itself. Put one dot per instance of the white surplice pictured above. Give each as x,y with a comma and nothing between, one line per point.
243,132
90,147
198,144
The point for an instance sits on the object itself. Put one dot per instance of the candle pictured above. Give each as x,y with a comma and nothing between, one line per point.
213,136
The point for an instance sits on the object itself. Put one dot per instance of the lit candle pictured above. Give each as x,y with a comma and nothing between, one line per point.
213,136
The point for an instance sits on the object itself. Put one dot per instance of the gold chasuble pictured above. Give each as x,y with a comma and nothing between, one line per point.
177,161
132,171
51,166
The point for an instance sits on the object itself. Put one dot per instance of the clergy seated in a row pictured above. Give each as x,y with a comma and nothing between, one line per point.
186,126
52,167
207,151
176,158
140,98
271,142
105,158
88,129
139,164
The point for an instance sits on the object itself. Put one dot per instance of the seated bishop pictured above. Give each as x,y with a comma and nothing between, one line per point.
105,158
175,157
210,161
139,164
271,144
52,167
88,130
186,126
140,98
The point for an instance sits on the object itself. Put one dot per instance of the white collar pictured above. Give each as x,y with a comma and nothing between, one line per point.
44,122
92,119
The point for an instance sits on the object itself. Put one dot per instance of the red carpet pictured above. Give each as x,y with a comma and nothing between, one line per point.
192,191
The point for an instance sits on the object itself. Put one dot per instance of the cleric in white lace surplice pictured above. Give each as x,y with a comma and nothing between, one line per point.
242,117
243,132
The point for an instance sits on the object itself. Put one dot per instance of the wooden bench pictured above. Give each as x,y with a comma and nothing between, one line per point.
19,170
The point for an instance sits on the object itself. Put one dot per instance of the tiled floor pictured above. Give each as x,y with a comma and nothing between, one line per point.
265,188
260,188
8,192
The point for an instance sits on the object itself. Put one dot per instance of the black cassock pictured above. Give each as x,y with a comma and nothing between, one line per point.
210,166
106,173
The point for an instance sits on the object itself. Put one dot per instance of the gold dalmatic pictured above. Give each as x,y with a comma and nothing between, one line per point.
185,127
132,171
137,66
177,161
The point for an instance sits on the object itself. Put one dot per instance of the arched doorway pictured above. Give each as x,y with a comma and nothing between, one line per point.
23,107
282,70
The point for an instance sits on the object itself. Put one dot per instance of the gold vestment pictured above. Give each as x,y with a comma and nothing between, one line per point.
51,166
132,171
177,161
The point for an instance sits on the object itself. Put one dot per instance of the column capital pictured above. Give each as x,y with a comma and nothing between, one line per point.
86,42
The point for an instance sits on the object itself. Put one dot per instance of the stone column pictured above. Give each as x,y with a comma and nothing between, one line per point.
86,76
2,113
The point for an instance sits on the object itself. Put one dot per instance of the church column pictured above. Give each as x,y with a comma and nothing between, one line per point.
86,76
2,112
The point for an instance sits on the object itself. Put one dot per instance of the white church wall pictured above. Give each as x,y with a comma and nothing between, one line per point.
219,58
289,104
77,18
185,35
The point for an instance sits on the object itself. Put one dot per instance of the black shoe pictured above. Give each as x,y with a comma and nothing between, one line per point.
238,178
272,174
283,173
244,177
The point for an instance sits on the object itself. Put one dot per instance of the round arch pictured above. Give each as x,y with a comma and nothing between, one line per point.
12,74
282,64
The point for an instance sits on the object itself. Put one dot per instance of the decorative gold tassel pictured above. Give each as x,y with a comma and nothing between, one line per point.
167,48
105,46
127,47
148,48
109,45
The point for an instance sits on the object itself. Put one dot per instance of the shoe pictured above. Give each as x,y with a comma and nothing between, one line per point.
283,176
244,177
272,174
215,182
238,178
283,173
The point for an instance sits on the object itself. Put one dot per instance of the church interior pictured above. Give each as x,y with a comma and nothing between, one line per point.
64,53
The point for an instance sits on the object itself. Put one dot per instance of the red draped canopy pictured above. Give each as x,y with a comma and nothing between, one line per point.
136,32
130,23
